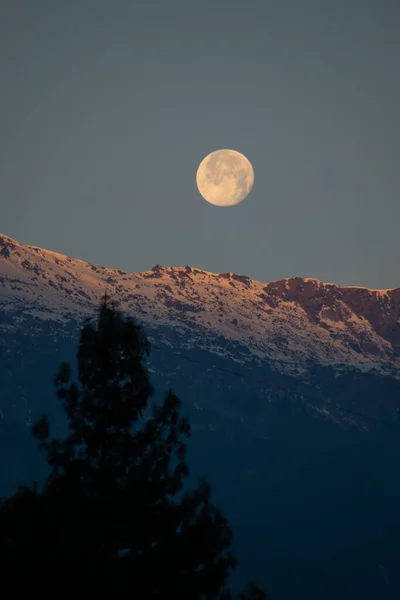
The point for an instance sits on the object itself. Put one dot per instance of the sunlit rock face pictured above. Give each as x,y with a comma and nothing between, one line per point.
287,322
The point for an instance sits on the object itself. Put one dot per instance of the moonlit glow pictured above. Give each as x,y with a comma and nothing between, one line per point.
225,177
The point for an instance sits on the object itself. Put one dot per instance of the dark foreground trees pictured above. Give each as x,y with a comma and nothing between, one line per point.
113,516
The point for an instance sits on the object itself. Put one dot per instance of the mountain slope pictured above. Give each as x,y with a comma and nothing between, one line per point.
292,389
287,323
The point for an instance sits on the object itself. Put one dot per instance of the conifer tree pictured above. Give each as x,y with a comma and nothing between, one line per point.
113,516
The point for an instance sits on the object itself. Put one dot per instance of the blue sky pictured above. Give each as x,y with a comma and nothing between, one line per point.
107,108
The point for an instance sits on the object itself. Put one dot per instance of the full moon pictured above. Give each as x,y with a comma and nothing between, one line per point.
225,177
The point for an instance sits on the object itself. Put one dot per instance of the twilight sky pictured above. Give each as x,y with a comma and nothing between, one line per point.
108,106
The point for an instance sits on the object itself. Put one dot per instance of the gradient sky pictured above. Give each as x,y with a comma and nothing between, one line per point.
108,107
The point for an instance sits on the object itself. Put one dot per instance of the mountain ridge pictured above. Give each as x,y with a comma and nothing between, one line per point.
288,322
5,240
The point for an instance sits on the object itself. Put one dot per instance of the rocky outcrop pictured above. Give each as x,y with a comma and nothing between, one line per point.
381,308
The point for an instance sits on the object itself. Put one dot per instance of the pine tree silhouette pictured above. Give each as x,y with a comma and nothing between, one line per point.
113,515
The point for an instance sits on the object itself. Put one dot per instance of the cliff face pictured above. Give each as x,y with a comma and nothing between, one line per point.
328,302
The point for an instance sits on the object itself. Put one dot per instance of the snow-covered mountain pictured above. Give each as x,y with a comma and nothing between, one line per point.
292,389
286,323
